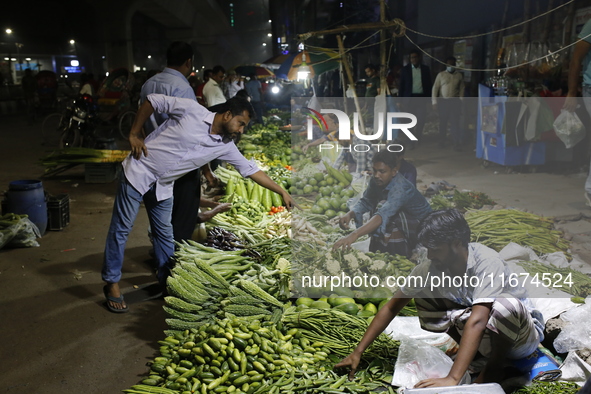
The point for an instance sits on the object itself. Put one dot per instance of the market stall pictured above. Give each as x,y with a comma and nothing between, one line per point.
238,324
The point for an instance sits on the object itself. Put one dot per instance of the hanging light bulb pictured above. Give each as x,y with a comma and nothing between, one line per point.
303,69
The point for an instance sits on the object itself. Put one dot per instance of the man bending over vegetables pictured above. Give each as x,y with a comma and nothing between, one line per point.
190,138
492,319
395,205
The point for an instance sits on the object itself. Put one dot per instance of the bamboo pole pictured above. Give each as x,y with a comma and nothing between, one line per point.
351,81
357,27
498,54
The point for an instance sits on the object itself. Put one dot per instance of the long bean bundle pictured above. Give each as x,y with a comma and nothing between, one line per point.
498,228
340,332
579,284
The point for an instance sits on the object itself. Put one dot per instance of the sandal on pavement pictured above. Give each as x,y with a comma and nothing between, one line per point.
117,300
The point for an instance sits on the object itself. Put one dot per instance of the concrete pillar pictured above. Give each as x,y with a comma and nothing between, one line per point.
117,32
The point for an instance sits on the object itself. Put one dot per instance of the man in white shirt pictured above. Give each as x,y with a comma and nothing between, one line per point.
191,138
212,91
448,87
235,83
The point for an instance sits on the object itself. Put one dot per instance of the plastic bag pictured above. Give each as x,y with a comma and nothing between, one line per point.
569,128
575,369
575,336
417,361
410,327
22,234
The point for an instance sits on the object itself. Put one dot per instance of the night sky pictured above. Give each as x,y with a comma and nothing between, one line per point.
47,22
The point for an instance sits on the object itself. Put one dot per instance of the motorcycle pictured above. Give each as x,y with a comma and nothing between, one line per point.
80,121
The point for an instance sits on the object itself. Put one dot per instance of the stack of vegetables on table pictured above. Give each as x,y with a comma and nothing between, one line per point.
239,319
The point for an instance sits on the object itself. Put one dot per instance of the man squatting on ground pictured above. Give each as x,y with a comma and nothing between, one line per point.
395,205
191,137
492,320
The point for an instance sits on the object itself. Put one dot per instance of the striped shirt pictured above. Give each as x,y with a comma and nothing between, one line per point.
512,314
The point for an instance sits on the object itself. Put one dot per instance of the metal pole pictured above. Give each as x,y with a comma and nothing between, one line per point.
383,62
351,81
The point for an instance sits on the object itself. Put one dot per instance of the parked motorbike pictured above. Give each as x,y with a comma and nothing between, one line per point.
80,121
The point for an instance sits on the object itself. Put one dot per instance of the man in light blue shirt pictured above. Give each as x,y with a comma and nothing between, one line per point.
172,81
191,138
255,91
581,61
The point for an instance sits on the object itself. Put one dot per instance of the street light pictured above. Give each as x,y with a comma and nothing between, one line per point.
8,31
72,42
303,69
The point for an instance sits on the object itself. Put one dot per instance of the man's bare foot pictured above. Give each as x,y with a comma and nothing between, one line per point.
115,302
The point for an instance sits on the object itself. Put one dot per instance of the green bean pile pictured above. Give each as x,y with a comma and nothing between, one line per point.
581,283
498,228
340,332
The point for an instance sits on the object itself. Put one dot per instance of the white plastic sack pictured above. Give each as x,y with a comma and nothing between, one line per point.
418,361
515,251
576,335
574,369
22,234
569,128
403,327
359,183
362,246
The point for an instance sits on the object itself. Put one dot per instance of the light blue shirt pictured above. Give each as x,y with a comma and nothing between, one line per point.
169,82
253,88
586,31
181,144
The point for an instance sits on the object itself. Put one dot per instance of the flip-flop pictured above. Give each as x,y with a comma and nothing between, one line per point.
117,300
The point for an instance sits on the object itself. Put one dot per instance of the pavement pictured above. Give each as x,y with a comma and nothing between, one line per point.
58,337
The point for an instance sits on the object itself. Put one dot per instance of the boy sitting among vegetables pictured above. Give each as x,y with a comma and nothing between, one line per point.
396,207
491,318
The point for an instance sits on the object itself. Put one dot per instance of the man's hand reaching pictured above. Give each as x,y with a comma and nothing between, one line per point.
137,146
351,362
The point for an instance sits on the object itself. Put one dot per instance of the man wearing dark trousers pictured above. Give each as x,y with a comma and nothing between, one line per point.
172,81
415,85
447,92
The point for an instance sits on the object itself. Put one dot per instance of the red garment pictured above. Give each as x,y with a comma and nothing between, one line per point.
199,94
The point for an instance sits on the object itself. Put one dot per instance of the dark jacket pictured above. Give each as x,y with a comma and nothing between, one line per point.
406,81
